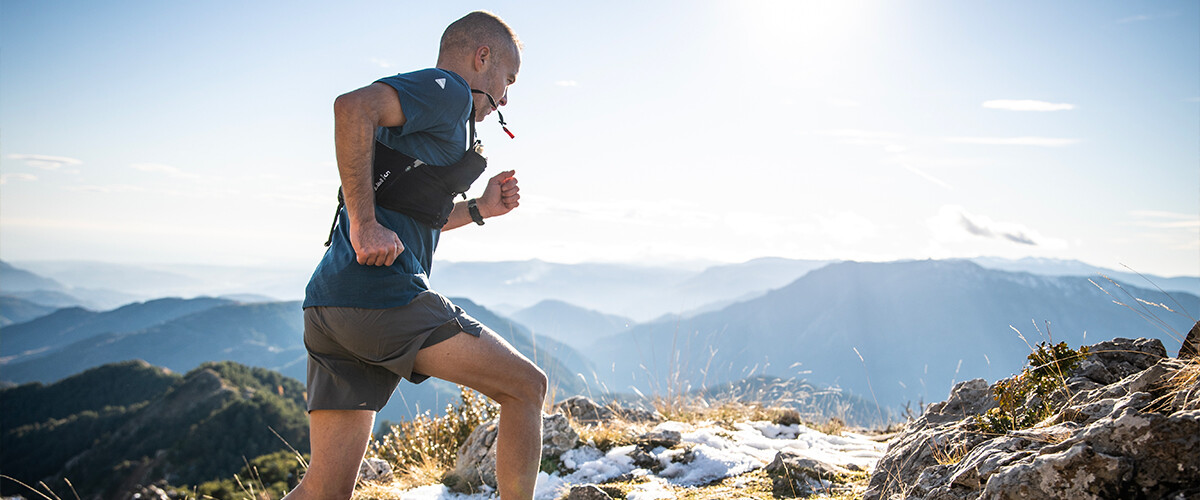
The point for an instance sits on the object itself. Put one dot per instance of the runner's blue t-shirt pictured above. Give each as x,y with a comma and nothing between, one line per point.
436,104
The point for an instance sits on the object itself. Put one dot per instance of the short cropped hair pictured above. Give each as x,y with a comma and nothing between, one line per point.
475,29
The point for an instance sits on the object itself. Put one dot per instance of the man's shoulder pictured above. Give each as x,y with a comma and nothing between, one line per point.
431,79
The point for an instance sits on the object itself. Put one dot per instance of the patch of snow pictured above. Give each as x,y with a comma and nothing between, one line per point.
654,490
716,453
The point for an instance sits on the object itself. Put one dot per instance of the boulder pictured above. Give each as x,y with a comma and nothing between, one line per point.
375,469
585,411
1191,344
476,462
587,492
1128,427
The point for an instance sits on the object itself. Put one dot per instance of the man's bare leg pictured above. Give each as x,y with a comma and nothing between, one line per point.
491,366
339,440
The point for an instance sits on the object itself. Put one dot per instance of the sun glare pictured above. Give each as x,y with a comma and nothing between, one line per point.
801,25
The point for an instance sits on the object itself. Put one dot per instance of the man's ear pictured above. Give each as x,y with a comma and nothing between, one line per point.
483,56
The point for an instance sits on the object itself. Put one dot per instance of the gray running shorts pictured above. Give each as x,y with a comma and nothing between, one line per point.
356,357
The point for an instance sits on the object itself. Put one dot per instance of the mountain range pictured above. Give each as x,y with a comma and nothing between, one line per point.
904,330
180,334
900,332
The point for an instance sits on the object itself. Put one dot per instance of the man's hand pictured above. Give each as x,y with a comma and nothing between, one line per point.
501,195
375,245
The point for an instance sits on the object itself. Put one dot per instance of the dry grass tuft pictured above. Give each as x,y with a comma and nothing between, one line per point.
421,450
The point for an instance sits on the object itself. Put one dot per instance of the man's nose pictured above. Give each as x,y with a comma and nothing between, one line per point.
503,99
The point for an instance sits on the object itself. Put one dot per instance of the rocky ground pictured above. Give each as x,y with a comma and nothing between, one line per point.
1126,425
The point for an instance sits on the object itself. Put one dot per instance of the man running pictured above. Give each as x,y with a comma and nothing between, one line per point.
370,317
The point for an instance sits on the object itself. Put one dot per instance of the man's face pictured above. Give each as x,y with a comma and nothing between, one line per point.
500,72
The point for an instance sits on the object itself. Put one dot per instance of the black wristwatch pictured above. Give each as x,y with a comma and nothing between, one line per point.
474,210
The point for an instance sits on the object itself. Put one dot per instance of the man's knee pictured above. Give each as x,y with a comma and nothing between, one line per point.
530,386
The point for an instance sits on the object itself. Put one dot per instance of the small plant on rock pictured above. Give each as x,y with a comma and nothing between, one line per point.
1026,399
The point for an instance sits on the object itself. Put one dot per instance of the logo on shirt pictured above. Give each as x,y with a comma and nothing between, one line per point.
441,83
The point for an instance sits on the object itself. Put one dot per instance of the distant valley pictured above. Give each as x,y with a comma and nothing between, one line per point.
903,330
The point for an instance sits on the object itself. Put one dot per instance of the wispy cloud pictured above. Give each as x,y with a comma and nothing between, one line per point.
843,103
1168,230
1049,142
4,178
163,169
954,223
381,63
986,229
110,189
925,175
567,83
862,137
45,162
1158,219
1027,105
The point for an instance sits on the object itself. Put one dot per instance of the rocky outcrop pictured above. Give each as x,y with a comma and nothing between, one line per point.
1127,426
476,462
586,411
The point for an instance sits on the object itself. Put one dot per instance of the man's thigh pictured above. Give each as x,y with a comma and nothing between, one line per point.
487,363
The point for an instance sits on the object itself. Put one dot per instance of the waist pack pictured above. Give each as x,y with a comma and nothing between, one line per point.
416,189
421,191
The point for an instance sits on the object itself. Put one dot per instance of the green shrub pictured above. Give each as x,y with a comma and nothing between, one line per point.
1026,399
274,474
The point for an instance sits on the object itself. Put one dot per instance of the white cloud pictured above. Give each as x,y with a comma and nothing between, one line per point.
567,83
4,178
381,63
45,162
1027,105
1050,142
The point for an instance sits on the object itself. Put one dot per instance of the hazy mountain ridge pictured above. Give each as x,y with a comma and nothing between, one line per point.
1059,267
570,324
66,326
917,326
745,338
23,284
17,310
267,335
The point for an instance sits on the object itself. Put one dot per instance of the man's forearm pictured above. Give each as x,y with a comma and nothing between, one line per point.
459,217
354,135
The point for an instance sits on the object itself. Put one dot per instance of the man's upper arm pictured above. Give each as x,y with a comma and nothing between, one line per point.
378,99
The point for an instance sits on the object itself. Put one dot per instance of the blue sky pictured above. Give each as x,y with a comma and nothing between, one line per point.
201,132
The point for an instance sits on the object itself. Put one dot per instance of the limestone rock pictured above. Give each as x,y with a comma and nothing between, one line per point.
476,462
586,411
1124,431
374,469
655,439
1191,344
587,492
